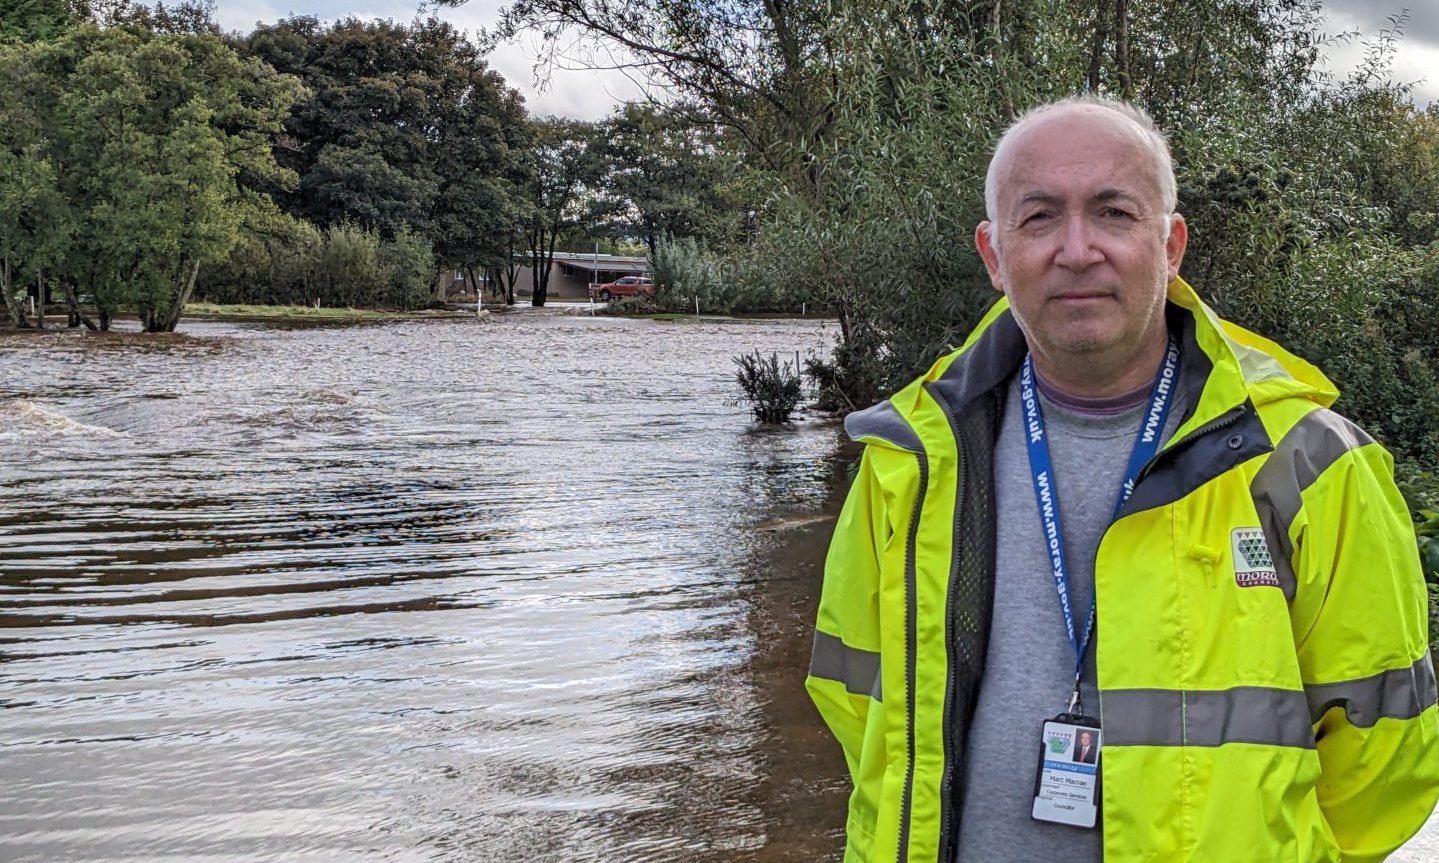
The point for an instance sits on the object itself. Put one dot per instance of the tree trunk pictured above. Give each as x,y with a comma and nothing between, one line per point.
15,306
171,318
40,300
512,275
441,290
1096,46
474,284
1121,18
73,302
537,240
1001,67
542,290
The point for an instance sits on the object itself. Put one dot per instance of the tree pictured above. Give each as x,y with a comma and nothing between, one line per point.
563,171
757,67
32,20
406,128
666,175
35,228
146,136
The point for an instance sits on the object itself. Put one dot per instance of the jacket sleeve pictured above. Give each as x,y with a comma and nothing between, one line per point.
1360,614
844,670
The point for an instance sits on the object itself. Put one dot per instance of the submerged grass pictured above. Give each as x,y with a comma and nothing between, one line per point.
219,310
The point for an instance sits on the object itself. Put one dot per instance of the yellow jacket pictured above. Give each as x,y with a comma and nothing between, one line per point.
1253,709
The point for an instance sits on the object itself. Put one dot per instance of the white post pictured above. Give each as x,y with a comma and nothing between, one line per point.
697,305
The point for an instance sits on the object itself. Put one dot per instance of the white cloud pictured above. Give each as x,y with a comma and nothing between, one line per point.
584,94
243,14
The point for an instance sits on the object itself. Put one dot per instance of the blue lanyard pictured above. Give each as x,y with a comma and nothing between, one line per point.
1146,445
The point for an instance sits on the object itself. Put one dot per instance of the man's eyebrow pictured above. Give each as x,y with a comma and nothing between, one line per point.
1105,195
1041,198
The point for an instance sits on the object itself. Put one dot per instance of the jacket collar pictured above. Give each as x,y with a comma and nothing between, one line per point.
1223,365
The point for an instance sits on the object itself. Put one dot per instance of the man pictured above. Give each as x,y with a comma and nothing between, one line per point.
1085,751
1110,509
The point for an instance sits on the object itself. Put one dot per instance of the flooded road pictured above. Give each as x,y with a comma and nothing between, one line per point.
504,590
524,589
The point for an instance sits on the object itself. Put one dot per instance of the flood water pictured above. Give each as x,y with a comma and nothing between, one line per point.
528,588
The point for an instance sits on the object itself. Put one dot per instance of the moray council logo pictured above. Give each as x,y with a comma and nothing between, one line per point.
1253,564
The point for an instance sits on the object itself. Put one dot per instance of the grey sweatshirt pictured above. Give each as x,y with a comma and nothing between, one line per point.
1029,667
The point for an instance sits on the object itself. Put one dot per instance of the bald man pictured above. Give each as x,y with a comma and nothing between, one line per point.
1112,582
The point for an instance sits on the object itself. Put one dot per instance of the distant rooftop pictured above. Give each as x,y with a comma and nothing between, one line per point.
591,257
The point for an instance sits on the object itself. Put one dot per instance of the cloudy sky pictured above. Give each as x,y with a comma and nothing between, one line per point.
591,94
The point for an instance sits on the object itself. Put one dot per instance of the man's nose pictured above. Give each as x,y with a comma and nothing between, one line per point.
1077,249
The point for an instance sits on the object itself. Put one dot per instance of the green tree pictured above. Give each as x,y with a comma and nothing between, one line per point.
35,229
564,169
31,20
755,67
406,129
666,175
147,137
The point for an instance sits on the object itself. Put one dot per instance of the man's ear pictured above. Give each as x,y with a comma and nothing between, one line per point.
988,253
1176,244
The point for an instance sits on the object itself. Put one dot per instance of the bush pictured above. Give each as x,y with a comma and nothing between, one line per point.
281,260
408,265
772,388
724,283
275,262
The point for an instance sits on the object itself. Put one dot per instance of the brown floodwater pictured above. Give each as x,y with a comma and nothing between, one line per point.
525,588
529,588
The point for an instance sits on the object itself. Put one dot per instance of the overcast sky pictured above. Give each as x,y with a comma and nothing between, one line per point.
590,95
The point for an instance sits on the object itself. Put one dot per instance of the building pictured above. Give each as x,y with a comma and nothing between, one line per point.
571,274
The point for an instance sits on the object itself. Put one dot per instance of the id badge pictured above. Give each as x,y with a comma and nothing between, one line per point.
1066,785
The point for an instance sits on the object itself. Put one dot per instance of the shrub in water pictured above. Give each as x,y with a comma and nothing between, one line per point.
771,388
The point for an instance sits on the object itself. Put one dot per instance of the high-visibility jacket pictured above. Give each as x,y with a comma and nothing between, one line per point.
1265,687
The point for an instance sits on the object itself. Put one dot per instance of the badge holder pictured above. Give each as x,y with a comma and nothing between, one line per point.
1066,781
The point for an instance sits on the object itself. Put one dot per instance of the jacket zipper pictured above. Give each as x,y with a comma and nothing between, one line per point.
946,803
910,612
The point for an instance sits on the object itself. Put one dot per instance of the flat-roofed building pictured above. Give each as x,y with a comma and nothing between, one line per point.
571,274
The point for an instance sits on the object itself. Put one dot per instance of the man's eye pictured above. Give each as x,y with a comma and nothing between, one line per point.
1116,213
1034,218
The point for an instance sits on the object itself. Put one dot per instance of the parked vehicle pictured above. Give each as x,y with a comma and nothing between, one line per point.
629,286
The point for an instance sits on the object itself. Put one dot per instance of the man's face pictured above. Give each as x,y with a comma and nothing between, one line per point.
1082,251
1085,739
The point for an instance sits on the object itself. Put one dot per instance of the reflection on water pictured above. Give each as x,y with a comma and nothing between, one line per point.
500,590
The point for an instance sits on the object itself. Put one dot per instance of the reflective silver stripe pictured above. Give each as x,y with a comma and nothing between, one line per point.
1399,693
1206,717
1311,446
882,421
832,659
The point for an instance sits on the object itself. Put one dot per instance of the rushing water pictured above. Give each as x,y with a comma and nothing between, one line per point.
530,588
501,590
